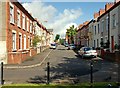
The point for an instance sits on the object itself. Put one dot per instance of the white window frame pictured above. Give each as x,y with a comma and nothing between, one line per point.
28,41
102,26
98,28
114,20
20,41
107,23
18,18
25,42
106,38
23,21
11,13
31,42
95,29
14,45
28,24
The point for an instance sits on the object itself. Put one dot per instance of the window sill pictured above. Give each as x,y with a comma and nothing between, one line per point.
12,23
14,50
18,26
23,29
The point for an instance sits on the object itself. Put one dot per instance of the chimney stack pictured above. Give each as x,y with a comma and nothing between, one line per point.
101,11
96,15
108,6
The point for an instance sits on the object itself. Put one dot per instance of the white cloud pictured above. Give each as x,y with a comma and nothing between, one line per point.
44,12
40,10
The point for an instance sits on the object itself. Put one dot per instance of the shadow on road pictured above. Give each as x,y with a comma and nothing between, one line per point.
71,68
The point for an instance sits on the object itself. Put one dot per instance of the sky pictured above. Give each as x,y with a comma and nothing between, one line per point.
61,15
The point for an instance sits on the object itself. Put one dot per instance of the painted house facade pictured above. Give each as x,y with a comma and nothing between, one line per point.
104,30
90,33
110,26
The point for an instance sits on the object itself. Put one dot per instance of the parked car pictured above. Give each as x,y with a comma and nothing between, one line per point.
66,44
72,46
53,46
87,52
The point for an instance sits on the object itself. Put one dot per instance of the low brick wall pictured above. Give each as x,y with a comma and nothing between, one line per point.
17,57
111,56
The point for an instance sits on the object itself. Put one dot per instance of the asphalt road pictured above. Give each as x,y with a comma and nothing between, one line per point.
64,64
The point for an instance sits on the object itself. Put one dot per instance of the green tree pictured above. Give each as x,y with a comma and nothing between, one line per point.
62,41
57,37
71,32
36,39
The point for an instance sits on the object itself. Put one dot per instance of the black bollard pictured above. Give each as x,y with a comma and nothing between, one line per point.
1,73
91,72
48,72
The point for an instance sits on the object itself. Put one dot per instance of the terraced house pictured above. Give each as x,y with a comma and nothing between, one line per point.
103,29
17,30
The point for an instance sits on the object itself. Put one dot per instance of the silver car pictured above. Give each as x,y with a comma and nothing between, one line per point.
53,46
87,52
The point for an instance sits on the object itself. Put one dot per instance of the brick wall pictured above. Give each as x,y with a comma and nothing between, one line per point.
112,56
19,55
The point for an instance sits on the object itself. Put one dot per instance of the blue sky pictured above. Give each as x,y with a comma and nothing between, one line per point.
88,8
61,15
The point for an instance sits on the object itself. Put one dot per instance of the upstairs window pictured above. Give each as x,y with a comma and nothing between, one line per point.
102,25
18,18
23,21
11,13
114,21
30,26
95,29
98,28
27,24
106,23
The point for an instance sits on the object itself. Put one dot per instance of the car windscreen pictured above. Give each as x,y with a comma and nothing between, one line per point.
71,44
53,44
87,49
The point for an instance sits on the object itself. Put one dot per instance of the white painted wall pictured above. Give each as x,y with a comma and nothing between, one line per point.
96,36
114,30
3,49
3,53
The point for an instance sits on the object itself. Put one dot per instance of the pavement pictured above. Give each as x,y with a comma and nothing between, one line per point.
33,61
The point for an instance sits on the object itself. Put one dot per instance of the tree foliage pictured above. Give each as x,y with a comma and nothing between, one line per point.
62,41
57,37
36,39
71,32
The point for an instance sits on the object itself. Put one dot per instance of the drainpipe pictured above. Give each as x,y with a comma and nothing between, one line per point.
109,30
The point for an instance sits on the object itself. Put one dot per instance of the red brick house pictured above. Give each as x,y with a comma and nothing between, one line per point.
17,30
